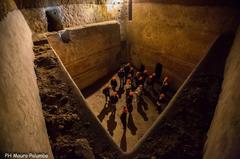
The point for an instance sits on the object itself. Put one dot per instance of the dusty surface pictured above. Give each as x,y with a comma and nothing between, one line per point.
139,121
177,36
71,135
91,53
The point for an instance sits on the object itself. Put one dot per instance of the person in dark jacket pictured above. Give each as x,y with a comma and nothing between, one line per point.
140,81
158,71
153,80
142,68
114,98
128,87
165,85
127,69
135,80
131,71
139,93
114,83
106,92
148,83
160,102
144,75
129,100
123,117
121,75
113,101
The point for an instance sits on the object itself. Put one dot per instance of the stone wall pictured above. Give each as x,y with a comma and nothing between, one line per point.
73,13
223,137
22,126
176,35
69,15
91,53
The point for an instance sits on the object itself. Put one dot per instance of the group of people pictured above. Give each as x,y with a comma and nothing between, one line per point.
133,83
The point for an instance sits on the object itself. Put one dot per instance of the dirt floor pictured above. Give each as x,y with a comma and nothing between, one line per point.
71,135
139,120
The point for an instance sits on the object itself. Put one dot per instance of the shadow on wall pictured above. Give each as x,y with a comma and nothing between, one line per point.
54,19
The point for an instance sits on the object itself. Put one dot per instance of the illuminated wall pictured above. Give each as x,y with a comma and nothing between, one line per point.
91,53
74,13
176,35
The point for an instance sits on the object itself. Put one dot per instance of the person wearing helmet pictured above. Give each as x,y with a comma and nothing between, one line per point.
148,82
140,81
154,78
113,101
129,100
165,80
114,98
160,101
121,75
128,87
129,77
131,71
106,92
144,75
127,69
135,79
123,117
114,83
139,93
165,85
138,74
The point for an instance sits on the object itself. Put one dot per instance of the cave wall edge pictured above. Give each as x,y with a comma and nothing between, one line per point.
22,125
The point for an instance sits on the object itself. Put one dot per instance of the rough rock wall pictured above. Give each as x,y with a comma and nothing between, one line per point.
223,137
91,53
74,13
71,15
45,3
5,7
22,126
177,36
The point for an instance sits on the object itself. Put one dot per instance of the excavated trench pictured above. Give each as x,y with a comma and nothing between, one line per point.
178,132
97,64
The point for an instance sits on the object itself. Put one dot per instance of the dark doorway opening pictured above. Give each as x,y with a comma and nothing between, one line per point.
54,20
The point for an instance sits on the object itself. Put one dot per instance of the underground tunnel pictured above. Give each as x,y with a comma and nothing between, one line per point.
127,79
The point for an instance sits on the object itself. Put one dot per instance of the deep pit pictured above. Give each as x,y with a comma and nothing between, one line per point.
98,63
51,91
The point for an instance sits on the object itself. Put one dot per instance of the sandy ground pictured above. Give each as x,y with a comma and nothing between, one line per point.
141,118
